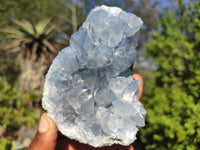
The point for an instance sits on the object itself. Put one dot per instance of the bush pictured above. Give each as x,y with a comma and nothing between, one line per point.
17,109
172,120
10,145
173,105
6,144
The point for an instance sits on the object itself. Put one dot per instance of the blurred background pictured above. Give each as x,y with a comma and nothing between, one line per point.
33,32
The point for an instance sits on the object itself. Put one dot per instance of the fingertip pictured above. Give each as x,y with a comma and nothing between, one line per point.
44,124
139,77
52,125
46,135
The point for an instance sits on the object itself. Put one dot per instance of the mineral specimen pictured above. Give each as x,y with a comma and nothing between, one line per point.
89,91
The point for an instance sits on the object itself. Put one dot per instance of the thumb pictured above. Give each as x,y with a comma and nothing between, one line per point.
138,77
46,136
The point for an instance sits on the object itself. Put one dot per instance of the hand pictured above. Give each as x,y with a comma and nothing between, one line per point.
49,138
138,77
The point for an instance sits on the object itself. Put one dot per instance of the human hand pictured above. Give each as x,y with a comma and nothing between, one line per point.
49,138
139,77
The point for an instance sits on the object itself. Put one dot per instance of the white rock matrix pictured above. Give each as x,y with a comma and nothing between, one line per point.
89,91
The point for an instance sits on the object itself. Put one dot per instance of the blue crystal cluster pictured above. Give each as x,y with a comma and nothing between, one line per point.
89,91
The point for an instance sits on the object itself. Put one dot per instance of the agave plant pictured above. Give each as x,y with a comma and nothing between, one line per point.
33,40
35,44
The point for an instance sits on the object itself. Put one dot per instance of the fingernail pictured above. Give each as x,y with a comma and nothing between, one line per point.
44,125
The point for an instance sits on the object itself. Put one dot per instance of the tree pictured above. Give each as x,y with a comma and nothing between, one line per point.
68,12
173,105
36,45
73,15
35,38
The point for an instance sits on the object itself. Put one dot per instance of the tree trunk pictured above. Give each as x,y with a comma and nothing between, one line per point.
33,75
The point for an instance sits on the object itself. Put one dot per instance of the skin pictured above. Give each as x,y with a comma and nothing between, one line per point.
49,138
138,77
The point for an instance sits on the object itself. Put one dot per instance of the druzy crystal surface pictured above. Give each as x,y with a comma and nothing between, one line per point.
89,91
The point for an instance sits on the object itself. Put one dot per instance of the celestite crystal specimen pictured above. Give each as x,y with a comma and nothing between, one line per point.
89,91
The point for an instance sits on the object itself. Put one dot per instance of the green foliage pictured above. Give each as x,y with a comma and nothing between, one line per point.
31,11
173,105
60,10
34,40
9,145
6,144
17,109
